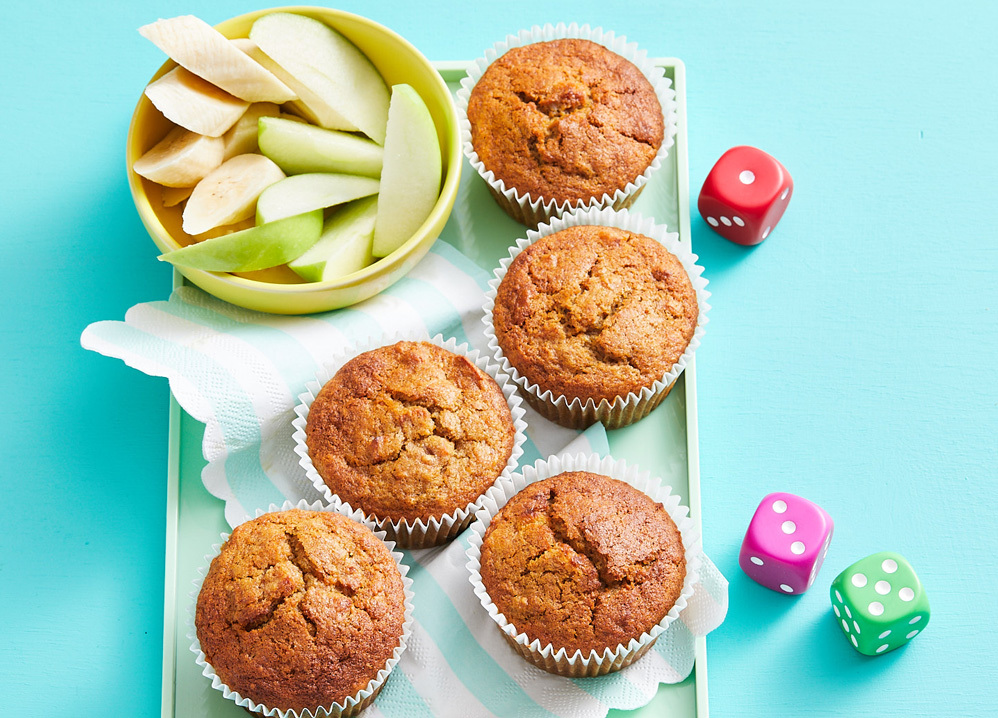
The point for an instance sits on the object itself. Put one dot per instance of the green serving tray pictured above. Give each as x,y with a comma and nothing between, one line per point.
664,443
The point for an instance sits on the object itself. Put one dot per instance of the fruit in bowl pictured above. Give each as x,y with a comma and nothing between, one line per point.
292,160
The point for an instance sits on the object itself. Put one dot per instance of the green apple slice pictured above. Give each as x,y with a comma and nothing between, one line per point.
298,148
266,245
410,178
334,80
345,244
304,193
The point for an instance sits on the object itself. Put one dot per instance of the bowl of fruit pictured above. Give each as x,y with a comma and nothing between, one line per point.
292,160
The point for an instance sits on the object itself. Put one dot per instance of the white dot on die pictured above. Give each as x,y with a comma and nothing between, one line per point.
882,648
725,221
915,620
779,506
785,193
766,233
838,614
856,626
858,580
786,588
845,625
889,565
756,560
739,221
788,527
906,594
885,634
912,634
848,612
838,596
876,608
712,221
746,177
854,641
797,547
882,587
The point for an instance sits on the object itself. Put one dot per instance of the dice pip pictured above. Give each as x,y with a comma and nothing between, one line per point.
879,603
786,543
745,195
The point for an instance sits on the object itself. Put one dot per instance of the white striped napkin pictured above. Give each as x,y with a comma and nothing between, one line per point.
240,372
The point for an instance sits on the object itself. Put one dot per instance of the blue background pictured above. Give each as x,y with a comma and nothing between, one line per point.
850,358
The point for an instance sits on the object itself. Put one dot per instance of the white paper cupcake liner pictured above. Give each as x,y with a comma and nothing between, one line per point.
352,705
435,530
547,656
623,410
532,210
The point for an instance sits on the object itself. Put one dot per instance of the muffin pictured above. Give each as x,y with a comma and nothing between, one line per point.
581,569
566,122
301,610
591,315
411,434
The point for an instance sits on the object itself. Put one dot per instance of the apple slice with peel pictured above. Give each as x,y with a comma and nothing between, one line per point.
194,44
230,192
303,193
187,100
334,80
410,178
345,244
298,148
266,245
181,159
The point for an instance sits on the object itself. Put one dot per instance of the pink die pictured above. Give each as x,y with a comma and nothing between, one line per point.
786,542
745,194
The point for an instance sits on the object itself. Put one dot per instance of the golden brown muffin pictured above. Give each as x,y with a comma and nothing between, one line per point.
565,120
300,609
583,561
594,312
410,431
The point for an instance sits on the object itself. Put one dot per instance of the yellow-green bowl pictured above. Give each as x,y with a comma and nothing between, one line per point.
279,290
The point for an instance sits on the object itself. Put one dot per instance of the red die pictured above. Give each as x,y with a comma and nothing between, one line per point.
745,195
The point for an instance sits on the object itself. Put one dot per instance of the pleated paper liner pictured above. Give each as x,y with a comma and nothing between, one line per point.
532,210
421,533
547,656
623,410
350,706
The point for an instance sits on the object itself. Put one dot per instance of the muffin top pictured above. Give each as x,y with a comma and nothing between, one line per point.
300,609
565,120
594,312
410,431
583,561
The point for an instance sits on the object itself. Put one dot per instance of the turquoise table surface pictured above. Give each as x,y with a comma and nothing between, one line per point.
850,358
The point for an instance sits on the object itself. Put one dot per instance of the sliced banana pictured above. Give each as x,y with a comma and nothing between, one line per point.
229,194
242,136
187,100
181,159
194,44
172,196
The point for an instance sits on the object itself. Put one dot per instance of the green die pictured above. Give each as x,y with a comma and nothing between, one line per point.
879,603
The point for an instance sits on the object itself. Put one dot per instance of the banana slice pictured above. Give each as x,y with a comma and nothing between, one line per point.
181,159
187,100
229,193
242,136
172,196
194,44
